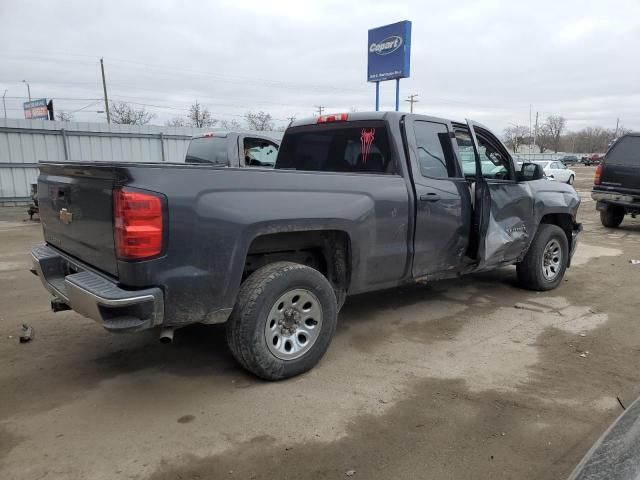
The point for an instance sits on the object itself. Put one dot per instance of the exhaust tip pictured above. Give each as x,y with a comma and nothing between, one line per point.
166,335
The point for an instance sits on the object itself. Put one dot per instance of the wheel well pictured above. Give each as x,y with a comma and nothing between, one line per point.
328,251
563,220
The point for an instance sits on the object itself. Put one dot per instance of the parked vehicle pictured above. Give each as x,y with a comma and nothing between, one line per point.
616,454
592,159
556,170
357,202
570,160
616,186
233,149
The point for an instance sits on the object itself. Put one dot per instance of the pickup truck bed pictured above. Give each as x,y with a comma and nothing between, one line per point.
356,203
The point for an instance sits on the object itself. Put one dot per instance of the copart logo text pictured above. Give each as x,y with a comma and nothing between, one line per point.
386,46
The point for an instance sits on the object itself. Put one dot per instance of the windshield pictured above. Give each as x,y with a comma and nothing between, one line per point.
543,164
208,150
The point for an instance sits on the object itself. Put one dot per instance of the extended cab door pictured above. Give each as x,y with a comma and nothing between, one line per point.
503,207
443,204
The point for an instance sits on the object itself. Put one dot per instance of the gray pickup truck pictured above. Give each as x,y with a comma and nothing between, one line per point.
356,202
234,149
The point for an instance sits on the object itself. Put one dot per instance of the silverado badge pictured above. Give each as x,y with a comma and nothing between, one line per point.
65,216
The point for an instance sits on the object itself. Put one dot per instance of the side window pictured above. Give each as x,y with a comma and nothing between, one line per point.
435,155
494,164
258,152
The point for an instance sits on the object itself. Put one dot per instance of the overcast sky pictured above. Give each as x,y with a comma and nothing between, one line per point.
487,60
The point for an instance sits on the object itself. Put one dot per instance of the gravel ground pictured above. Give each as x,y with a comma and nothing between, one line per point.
472,378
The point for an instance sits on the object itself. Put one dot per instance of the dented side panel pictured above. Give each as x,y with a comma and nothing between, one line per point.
510,225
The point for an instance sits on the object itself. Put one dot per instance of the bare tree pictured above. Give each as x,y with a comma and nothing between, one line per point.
259,121
200,116
176,122
553,128
63,116
124,114
230,125
515,136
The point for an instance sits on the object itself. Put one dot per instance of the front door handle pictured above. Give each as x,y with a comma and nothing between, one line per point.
429,197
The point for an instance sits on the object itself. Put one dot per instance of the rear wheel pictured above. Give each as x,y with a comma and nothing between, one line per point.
544,264
612,217
283,321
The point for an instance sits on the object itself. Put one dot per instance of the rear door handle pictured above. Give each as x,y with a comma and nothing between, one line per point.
429,197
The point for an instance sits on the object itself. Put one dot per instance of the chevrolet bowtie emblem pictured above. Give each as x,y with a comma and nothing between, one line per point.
65,216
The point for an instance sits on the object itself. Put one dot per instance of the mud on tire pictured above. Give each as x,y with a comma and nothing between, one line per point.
256,317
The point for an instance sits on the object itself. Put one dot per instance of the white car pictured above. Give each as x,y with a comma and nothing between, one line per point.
558,171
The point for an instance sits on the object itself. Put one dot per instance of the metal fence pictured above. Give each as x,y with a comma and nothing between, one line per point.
24,143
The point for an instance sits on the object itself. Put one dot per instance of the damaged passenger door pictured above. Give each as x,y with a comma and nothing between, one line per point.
502,206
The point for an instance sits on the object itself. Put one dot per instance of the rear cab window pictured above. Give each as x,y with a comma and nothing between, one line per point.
350,147
625,152
208,149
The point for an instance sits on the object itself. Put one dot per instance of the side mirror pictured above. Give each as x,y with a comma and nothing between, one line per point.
531,171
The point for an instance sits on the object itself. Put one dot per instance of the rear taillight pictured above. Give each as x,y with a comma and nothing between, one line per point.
333,117
596,178
137,224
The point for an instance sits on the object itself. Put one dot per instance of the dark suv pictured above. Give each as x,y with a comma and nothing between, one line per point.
616,186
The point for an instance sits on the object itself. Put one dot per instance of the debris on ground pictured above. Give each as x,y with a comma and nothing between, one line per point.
27,333
350,473
583,334
634,262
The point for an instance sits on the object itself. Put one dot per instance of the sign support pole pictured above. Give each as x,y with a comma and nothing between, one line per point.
377,96
397,94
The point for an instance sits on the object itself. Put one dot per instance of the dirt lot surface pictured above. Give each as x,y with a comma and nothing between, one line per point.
472,378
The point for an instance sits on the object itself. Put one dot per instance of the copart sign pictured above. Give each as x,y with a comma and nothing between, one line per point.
389,52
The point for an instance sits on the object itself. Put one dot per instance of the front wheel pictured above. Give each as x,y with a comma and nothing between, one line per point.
283,321
544,264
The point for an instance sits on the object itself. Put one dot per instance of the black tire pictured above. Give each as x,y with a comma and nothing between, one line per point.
612,217
570,181
246,327
531,271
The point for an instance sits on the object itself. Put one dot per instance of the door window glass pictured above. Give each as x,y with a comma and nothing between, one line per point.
494,163
435,155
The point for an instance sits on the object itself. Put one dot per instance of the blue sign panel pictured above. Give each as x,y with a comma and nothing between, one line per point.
36,109
389,51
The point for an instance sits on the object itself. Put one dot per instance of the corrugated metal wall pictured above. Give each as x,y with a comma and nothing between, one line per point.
24,143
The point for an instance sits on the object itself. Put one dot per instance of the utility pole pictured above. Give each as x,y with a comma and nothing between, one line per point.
412,100
617,125
4,105
535,136
104,87
530,132
291,119
320,109
28,89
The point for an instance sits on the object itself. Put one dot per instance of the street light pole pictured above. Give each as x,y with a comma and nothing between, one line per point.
28,89
4,105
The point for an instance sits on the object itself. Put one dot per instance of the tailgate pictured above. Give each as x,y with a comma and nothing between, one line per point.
76,210
621,166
